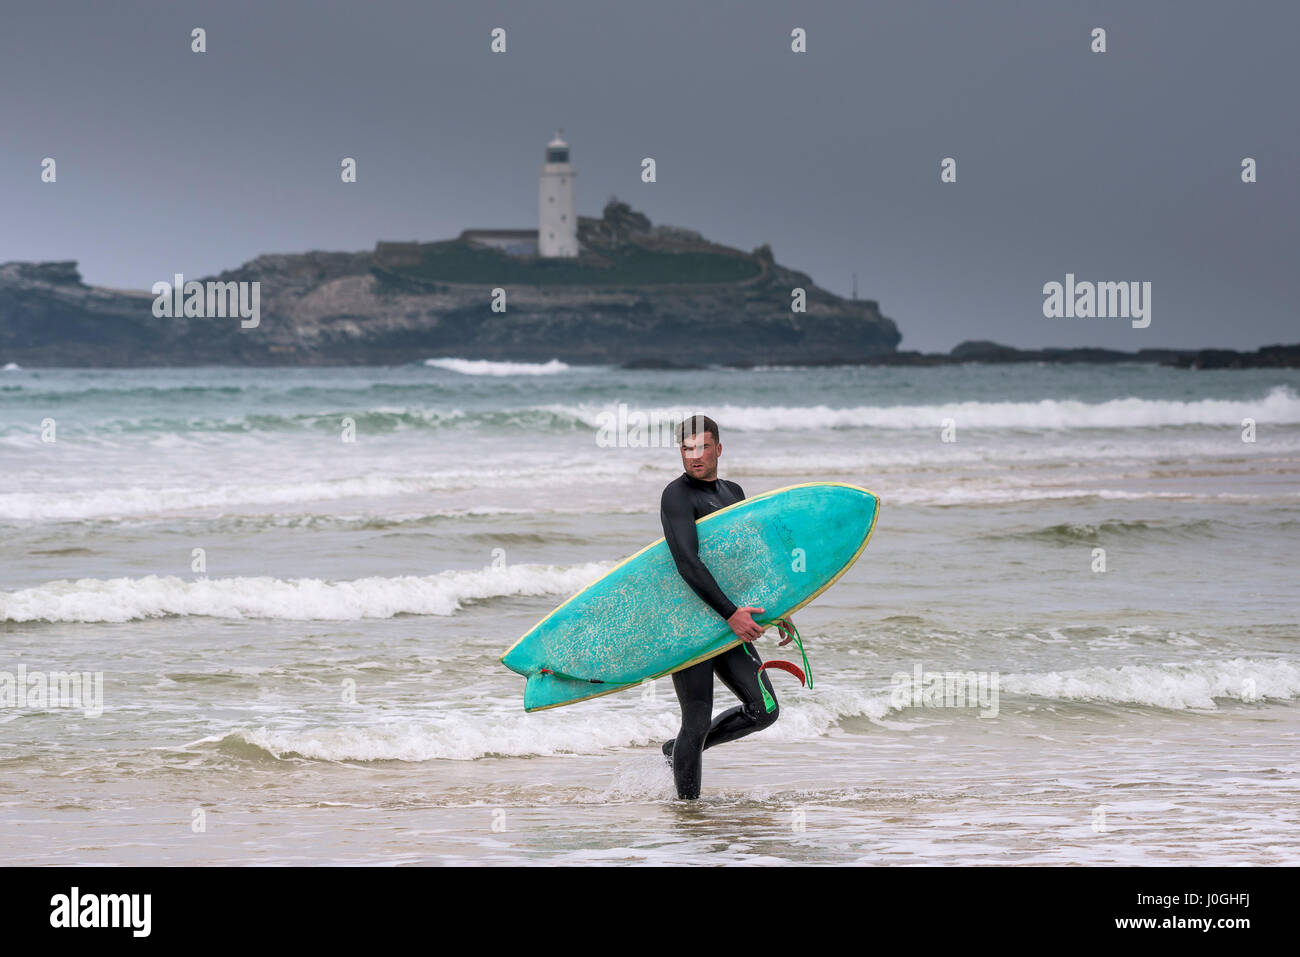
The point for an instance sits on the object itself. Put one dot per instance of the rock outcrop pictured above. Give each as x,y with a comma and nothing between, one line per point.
1267,357
637,294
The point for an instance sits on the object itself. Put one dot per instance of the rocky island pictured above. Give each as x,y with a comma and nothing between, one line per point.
637,294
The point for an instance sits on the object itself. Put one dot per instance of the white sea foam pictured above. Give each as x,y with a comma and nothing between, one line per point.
487,367
1177,686
1280,406
984,494
305,599
933,478
140,500
65,505
461,735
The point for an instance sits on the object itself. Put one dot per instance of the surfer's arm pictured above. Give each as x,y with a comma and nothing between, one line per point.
678,519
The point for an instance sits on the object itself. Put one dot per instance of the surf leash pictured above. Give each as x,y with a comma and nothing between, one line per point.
790,666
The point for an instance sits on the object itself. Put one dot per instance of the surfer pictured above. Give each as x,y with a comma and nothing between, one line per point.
695,493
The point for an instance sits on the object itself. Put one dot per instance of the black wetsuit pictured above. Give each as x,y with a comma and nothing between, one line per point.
684,500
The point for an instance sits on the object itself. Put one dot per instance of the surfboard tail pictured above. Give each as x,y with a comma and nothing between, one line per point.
544,691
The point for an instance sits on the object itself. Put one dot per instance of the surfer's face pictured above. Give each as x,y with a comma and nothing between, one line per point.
700,456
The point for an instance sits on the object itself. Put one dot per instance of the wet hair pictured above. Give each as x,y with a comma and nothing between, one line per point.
694,425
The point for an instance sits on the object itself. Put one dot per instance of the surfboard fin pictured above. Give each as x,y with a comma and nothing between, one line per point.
789,666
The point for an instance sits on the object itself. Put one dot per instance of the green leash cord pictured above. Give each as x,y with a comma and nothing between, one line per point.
807,668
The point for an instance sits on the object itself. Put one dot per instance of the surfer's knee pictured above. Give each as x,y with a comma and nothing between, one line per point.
769,708
762,718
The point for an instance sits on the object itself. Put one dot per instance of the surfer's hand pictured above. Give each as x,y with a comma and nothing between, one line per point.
743,624
783,625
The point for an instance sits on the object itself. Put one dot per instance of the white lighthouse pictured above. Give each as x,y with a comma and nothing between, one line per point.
557,221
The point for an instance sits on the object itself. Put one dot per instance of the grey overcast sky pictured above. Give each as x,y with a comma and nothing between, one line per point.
1123,165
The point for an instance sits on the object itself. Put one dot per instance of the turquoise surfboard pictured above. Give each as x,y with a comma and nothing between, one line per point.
776,551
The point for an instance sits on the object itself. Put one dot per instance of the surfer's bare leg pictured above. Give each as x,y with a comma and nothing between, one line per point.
694,687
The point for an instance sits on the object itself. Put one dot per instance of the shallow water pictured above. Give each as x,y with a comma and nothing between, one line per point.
327,688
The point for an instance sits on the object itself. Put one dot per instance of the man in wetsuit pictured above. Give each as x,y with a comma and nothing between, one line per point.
695,493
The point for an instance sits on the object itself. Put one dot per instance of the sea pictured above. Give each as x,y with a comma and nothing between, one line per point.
255,616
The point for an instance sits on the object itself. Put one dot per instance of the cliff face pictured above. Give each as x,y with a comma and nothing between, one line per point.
639,295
